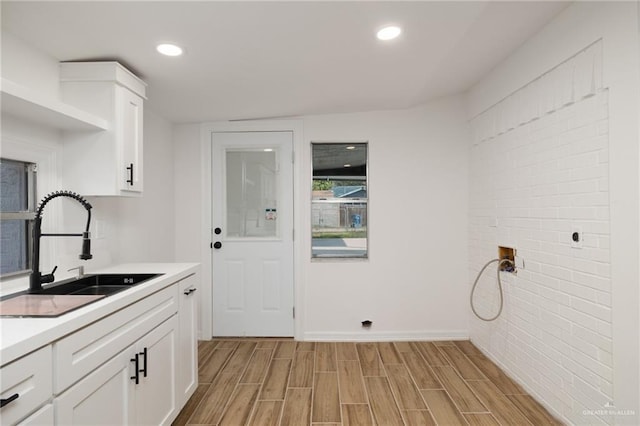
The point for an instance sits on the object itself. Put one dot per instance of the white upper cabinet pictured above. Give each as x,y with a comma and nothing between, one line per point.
109,162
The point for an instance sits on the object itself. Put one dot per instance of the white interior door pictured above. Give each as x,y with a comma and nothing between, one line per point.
252,210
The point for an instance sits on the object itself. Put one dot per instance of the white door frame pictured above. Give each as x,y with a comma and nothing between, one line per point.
206,296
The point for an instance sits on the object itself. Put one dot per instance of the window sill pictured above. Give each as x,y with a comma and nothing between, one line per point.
323,259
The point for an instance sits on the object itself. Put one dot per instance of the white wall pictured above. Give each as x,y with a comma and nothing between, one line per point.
413,284
145,224
569,332
188,210
188,198
133,230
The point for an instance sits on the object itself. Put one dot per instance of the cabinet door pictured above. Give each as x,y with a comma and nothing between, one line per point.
104,397
187,373
80,353
129,115
155,394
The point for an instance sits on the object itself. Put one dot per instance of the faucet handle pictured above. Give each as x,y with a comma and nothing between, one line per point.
80,270
48,278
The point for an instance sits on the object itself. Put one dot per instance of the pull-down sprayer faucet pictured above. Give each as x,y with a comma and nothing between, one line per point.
37,279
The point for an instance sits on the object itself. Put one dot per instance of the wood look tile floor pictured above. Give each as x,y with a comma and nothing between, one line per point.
282,382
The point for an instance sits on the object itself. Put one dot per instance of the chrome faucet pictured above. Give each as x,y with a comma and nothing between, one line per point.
36,278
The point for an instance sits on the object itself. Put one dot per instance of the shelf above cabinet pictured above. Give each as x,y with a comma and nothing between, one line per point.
29,105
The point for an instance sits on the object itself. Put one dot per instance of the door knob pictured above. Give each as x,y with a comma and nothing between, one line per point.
217,231
217,245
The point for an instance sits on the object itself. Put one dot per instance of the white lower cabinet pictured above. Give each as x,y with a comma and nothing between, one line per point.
82,352
136,366
155,394
187,373
104,397
136,387
25,385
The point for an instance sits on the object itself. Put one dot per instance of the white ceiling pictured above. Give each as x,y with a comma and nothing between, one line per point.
271,59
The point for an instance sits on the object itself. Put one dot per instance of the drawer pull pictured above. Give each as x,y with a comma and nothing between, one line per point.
130,169
189,291
9,400
144,358
136,369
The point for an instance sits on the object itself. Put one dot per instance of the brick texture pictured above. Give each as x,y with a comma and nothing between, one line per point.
529,188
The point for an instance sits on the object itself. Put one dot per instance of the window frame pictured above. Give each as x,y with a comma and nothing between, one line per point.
345,257
27,215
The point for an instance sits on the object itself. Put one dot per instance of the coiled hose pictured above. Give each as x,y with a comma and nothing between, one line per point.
475,283
79,198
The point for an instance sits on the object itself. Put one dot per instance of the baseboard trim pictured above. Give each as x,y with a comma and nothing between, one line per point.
386,336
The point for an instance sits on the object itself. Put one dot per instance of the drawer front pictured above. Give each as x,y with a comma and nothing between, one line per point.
83,351
30,378
43,417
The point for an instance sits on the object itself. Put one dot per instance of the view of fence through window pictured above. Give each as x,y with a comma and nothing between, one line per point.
339,200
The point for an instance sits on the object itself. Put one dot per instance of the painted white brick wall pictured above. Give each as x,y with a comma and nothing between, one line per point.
529,187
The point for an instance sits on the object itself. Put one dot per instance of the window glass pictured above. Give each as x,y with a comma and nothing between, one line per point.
17,207
252,197
339,200
14,247
13,186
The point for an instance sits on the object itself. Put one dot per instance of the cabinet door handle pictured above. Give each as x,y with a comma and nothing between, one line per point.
189,291
136,369
144,359
130,180
7,401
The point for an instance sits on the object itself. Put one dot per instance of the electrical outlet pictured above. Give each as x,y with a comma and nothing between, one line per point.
576,237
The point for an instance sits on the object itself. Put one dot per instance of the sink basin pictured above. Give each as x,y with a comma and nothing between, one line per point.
65,296
100,284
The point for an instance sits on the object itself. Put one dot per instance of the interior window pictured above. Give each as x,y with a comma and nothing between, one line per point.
17,210
339,198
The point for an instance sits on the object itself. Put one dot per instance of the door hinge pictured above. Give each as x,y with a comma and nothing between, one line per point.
293,157
294,311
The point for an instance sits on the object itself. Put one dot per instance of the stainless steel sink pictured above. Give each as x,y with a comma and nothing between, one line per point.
99,284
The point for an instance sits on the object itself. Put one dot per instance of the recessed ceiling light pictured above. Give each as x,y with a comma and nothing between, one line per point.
351,147
268,150
169,49
388,33
347,165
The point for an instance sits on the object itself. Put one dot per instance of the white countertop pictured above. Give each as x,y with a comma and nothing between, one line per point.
20,336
